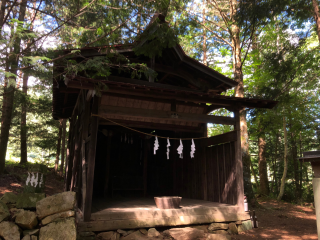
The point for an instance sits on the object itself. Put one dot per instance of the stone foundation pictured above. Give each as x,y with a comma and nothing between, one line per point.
31,216
213,231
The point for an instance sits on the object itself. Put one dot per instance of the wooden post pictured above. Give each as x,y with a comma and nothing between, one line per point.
238,164
107,163
91,159
316,192
67,169
84,175
145,167
69,162
204,145
85,127
76,155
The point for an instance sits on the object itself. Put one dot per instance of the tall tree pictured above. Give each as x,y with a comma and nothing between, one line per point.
23,132
285,160
8,96
315,6
263,173
220,21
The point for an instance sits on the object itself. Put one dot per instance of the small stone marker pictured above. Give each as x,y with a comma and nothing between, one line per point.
35,182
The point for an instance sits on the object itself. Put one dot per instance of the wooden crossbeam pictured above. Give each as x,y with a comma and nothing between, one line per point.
155,114
151,125
180,96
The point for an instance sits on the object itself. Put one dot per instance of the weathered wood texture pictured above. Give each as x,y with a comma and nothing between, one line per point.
210,175
144,214
115,112
91,159
238,164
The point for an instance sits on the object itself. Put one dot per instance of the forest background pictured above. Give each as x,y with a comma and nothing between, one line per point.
270,48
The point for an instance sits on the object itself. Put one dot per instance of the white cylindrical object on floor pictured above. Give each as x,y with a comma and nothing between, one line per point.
246,208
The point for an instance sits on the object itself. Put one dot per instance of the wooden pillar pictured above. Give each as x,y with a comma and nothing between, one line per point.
316,192
145,167
204,145
238,164
67,169
84,161
69,162
106,184
76,155
91,159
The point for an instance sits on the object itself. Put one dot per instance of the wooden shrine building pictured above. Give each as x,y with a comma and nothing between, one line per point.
111,163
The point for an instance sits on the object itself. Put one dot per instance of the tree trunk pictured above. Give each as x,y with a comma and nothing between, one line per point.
23,130
63,145
8,95
204,44
300,175
316,16
285,159
263,173
239,92
254,176
2,11
275,164
58,147
295,166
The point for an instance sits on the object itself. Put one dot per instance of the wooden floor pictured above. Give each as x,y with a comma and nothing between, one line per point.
113,214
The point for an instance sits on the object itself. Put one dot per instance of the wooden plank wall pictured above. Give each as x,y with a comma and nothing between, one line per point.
210,175
81,151
188,172
221,173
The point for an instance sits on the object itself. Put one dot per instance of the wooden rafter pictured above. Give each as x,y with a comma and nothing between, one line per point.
151,125
181,96
155,114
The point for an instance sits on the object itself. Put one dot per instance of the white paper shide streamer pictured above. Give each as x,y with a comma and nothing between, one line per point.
168,150
193,149
156,145
180,149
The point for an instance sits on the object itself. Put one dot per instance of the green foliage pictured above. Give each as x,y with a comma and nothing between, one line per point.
154,39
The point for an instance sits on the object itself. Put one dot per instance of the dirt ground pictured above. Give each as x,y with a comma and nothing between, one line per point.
276,220
15,180
282,221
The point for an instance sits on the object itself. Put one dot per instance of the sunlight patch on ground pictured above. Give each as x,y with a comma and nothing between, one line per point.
15,185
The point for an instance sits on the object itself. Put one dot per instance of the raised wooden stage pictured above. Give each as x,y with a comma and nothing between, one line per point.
113,214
